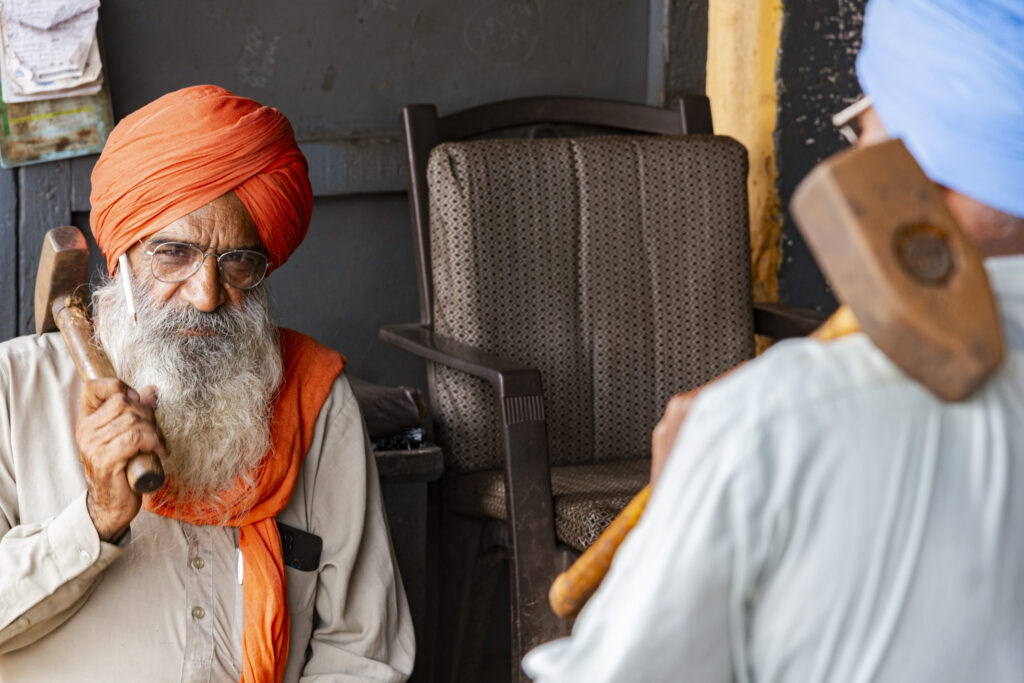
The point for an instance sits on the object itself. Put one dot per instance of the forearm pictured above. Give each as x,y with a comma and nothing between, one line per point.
49,570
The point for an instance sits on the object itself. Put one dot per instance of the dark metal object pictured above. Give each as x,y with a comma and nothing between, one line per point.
300,549
406,440
388,410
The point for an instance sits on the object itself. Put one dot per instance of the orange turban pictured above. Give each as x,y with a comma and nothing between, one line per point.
189,147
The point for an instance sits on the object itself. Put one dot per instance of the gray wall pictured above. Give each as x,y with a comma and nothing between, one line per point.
340,70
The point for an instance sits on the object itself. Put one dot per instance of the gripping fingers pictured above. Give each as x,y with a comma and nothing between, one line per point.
113,431
96,392
116,423
138,440
130,419
119,404
665,432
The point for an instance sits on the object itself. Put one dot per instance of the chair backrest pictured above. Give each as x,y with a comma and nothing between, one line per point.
424,130
618,266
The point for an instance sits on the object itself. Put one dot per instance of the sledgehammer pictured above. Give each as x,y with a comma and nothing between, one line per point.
63,268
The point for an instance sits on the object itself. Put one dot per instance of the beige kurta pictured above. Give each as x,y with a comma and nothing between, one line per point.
166,605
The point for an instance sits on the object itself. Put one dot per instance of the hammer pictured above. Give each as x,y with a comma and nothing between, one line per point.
909,279
63,266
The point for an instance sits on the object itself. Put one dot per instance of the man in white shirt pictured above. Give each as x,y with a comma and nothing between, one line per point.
821,517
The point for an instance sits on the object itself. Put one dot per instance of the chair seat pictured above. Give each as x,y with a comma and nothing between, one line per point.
587,497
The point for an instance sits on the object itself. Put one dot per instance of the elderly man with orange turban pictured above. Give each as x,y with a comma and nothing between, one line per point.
196,197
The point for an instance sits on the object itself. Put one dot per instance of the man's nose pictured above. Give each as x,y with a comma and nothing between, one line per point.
204,289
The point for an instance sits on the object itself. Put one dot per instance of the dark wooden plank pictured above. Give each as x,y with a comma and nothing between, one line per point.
356,165
44,202
415,464
8,255
780,321
685,49
81,172
341,166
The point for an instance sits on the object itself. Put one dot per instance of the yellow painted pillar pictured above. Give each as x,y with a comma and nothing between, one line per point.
743,42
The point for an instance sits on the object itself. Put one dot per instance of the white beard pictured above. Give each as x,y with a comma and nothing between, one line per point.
214,392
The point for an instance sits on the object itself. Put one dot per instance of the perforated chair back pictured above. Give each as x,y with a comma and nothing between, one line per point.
618,266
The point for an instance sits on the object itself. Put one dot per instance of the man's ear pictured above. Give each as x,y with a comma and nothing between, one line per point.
992,231
872,131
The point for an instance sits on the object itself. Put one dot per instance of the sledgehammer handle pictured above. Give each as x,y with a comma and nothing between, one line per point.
144,471
574,586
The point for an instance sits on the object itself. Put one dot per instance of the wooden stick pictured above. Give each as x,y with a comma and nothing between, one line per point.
573,587
144,470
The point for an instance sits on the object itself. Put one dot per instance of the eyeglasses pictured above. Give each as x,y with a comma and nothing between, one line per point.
848,120
177,261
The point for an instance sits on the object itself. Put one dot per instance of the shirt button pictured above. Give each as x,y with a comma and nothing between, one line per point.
84,556
198,612
198,563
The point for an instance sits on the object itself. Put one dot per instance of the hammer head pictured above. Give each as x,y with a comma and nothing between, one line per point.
63,267
883,236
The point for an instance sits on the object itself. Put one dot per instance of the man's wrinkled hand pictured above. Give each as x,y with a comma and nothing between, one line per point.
116,423
665,432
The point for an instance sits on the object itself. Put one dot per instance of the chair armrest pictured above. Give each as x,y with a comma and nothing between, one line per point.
781,321
520,398
508,377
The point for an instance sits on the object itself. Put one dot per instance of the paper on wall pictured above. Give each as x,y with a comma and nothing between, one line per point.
46,14
18,85
56,51
49,48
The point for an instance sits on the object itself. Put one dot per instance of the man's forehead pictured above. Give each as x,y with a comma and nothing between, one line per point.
222,223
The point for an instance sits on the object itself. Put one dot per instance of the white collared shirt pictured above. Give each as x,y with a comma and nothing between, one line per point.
823,518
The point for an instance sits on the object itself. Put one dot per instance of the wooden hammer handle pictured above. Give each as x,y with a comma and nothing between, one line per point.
144,471
573,587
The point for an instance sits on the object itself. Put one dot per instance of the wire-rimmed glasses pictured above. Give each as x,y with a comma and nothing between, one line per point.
177,261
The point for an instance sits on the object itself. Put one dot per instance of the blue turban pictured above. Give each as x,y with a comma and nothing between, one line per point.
947,76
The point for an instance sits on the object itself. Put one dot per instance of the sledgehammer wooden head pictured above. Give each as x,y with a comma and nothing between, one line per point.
882,234
63,267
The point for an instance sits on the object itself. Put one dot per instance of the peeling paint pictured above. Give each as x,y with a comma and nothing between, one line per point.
742,45
504,32
258,61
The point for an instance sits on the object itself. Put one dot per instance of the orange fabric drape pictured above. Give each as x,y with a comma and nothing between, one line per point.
309,371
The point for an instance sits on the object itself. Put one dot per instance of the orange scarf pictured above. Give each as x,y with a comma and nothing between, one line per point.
309,371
